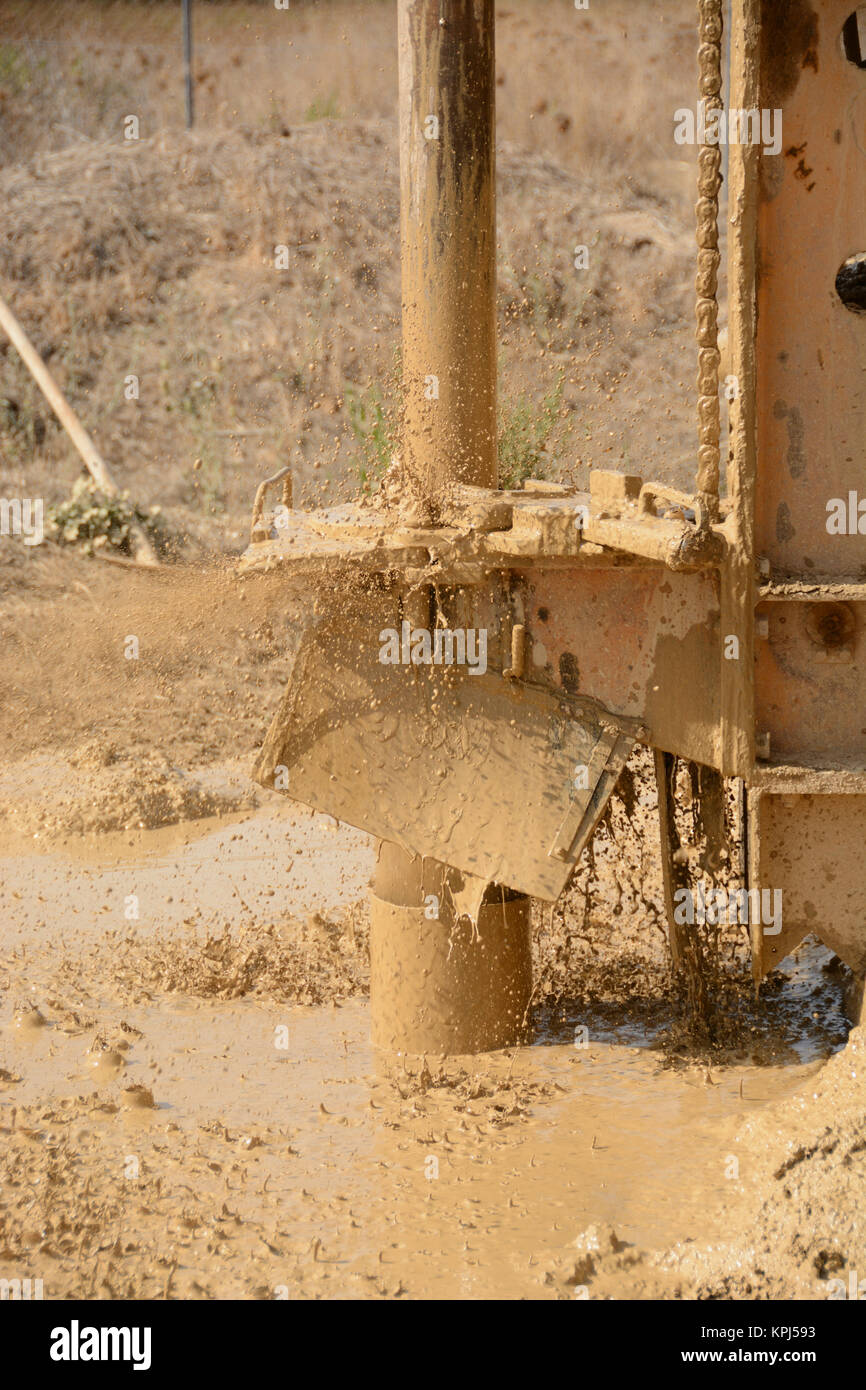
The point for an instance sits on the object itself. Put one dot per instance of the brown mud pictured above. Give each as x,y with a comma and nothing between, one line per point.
189,1103
191,1108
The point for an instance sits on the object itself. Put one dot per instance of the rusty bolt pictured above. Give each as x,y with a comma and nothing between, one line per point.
830,625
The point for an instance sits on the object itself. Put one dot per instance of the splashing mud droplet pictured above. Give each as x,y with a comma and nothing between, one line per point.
137,1097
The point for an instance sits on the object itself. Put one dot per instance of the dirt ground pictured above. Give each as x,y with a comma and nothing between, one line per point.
189,1104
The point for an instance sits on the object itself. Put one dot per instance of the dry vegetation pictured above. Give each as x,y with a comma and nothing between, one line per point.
155,258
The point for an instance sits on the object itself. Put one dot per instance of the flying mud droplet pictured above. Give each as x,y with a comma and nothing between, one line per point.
29,1020
105,1063
137,1097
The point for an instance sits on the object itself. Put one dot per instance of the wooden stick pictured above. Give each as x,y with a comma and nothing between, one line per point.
92,459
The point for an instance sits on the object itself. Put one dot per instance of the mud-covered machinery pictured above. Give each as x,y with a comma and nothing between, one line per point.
485,661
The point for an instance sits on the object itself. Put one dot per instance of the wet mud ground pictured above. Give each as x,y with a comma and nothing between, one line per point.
190,1106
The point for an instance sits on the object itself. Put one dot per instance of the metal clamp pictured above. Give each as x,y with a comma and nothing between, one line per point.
285,477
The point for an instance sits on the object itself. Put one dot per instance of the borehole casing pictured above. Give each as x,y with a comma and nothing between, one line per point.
440,984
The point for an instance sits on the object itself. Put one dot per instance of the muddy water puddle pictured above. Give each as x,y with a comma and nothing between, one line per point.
343,1173
160,878
474,1184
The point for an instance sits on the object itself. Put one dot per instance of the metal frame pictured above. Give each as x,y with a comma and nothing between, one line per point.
720,633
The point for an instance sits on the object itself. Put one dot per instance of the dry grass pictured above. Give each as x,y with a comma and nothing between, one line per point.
155,258
597,87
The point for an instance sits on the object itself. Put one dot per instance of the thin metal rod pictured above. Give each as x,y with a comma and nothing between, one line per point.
90,455
187,61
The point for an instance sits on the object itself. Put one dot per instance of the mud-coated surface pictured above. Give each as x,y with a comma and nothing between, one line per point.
191,1108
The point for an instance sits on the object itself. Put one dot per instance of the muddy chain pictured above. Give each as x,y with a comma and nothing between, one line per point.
706,283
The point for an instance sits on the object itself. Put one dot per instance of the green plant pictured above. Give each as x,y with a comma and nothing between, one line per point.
196,403
197,398
22,427
374,432
209,480
524,432
15,71
91,520
326,110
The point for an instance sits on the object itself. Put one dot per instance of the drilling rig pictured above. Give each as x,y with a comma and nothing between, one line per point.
724,629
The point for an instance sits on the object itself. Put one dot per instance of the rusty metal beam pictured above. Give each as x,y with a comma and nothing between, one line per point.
798,428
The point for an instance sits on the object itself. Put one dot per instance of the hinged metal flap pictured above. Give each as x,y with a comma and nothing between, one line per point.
502,780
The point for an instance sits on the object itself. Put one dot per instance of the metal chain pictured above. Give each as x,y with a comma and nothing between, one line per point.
706,282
